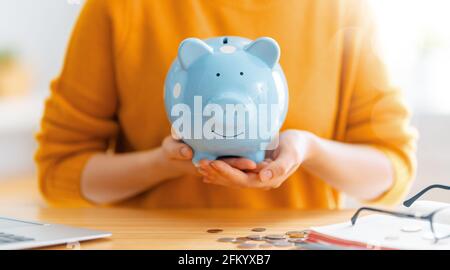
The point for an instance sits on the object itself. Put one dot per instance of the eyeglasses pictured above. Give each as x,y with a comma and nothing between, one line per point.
437,218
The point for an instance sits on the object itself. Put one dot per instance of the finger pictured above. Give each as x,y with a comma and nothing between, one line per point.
206,168
232,175
176,149
226,170
220,173
254,181
236,178
260,166
203,172
280,167
240,163
204,163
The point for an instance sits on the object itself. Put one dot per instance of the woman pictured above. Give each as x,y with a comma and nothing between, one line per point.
105,136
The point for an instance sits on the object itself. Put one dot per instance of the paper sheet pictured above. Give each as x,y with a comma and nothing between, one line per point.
426,207
388,231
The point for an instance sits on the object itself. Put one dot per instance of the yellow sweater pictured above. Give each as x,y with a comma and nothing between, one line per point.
109,95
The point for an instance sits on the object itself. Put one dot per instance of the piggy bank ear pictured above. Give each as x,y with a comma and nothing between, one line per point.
191,49
266,49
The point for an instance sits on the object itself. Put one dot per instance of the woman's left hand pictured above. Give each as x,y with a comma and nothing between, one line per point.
293,149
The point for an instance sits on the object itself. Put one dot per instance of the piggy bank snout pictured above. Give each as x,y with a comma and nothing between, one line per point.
235,109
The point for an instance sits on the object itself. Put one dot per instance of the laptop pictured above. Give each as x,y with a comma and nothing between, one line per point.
21,234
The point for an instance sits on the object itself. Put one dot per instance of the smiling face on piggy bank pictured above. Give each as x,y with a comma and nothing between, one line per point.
227,96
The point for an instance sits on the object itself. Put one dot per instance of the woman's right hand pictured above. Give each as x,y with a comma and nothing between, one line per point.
177,157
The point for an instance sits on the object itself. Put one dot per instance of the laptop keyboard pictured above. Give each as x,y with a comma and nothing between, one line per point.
6,238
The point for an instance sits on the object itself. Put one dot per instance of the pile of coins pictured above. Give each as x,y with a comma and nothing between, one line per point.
288,240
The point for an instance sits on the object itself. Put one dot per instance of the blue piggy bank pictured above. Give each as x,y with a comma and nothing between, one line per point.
227,96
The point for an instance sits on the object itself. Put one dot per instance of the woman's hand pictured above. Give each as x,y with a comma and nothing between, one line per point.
176,157
293,149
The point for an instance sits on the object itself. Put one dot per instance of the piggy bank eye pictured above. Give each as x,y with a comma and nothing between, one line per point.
217,74
241,73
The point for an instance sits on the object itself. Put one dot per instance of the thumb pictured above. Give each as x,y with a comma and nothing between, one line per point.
277,168
176,149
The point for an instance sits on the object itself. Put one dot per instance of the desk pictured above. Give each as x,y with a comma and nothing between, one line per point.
156,229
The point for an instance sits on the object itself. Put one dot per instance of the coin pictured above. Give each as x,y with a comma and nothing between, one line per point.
265,245
296,240
275,237
258,229
282,244
214,231
247,245
296,234
411,228
226,239
255,237
239,240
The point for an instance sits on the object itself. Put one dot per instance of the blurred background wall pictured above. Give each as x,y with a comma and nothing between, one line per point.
414,38
33,37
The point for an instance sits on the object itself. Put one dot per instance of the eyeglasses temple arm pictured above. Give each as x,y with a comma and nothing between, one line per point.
414,198
397,214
